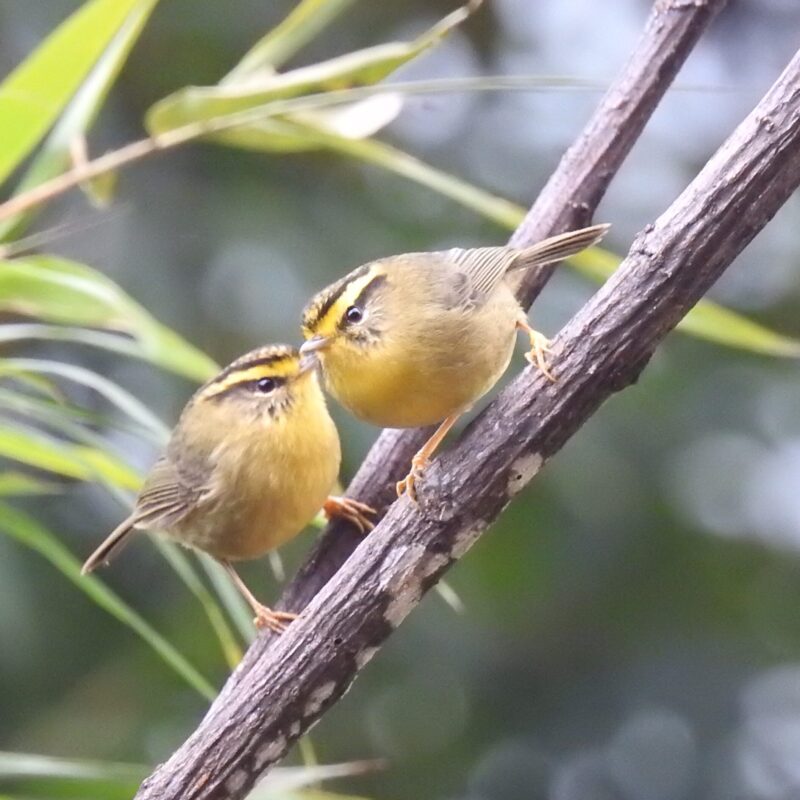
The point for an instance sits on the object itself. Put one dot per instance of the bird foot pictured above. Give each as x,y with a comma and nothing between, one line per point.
537,355
408,485
352,510
274,621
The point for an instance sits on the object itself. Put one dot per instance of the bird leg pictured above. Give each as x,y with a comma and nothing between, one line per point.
265,617
352,510
540,346
423,457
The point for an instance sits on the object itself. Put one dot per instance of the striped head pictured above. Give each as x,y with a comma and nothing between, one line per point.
269,380
348,312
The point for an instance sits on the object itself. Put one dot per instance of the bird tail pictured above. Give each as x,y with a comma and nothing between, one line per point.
111,545
559,247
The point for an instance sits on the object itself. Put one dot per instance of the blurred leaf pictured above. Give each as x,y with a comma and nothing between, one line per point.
36,92
179,561
80,462
69,419
488,205
80,113
230,597
279,782
58,290
32,534
721,325
32,775
38,383
304,22
111,391
28,765
198,103
15,484
113,342
707,320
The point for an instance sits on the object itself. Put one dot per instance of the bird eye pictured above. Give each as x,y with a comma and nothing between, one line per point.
354,315
266,385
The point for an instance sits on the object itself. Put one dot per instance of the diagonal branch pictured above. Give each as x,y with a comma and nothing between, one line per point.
568,201
602,350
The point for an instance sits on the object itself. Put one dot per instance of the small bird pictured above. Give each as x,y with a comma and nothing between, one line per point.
249,464
416,339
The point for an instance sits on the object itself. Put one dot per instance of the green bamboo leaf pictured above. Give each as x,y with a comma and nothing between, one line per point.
69,419
181,564
294,781
58,290
80,113
16,766
112,342
707,320
362,67
33,96
76,461
114,394
305,21
32,534
230,597
17,484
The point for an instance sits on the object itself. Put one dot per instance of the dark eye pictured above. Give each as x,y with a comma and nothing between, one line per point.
266,385
354,315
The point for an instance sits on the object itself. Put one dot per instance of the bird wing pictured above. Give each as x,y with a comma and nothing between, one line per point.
482,267
485,267
168,496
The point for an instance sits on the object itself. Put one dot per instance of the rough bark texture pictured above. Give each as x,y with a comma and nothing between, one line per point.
567,201
601,350
286,683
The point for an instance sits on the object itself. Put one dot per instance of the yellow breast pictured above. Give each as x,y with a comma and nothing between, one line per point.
271,480
426,368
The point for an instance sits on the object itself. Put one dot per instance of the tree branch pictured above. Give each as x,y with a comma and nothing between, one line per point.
601,350
568,201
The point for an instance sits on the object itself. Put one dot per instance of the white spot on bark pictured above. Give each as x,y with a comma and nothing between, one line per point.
365,656
522,471
271,752
318,697
294,729
236,781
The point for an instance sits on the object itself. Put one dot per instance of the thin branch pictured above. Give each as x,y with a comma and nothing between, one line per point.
602,350
568,200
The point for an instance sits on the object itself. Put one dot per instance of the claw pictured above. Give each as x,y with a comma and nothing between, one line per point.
408,484
354,511
272,620
540,346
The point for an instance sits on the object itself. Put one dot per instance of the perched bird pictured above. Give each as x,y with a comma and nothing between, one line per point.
249,464
416,339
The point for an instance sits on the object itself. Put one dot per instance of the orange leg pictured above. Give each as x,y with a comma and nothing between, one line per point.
265,617
423,457
352,510
540,346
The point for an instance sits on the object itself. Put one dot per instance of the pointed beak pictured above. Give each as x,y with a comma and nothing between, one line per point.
314,344
308,363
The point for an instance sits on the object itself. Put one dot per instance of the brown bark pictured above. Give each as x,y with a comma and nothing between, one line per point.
601,350
286,683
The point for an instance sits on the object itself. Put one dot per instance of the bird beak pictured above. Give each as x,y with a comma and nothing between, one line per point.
308,362
314,344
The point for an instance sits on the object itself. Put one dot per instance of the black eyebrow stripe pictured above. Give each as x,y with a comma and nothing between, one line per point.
255,362
237,387
337,290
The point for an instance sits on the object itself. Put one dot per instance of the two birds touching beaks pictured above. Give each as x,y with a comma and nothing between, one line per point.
402,342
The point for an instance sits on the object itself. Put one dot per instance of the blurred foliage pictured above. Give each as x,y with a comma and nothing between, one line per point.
605,638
